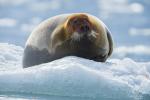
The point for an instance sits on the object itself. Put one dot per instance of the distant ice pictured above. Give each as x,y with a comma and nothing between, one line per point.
12,3
74,77
136,7
10,56
45,6
120,6
7,22
139,32
136,50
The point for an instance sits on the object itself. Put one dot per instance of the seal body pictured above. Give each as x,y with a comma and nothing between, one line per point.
77,34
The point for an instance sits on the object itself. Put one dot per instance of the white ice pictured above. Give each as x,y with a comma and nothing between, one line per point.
74,77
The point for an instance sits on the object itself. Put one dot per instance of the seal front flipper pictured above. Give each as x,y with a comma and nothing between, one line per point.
100,58
57,38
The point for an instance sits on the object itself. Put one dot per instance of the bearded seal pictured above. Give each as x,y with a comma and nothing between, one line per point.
77,34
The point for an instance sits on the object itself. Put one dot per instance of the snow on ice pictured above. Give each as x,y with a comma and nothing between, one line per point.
74,77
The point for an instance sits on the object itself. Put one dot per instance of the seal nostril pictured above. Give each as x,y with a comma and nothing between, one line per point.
85,28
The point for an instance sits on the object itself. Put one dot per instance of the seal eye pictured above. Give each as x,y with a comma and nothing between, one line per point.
75,21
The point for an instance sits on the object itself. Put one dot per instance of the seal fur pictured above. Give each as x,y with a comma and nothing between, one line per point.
59,36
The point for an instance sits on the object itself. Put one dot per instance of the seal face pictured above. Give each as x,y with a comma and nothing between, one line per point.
77,34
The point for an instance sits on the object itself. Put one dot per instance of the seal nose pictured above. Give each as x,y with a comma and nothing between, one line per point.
84,28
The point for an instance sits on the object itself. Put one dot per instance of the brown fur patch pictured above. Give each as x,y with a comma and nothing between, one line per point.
69,24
